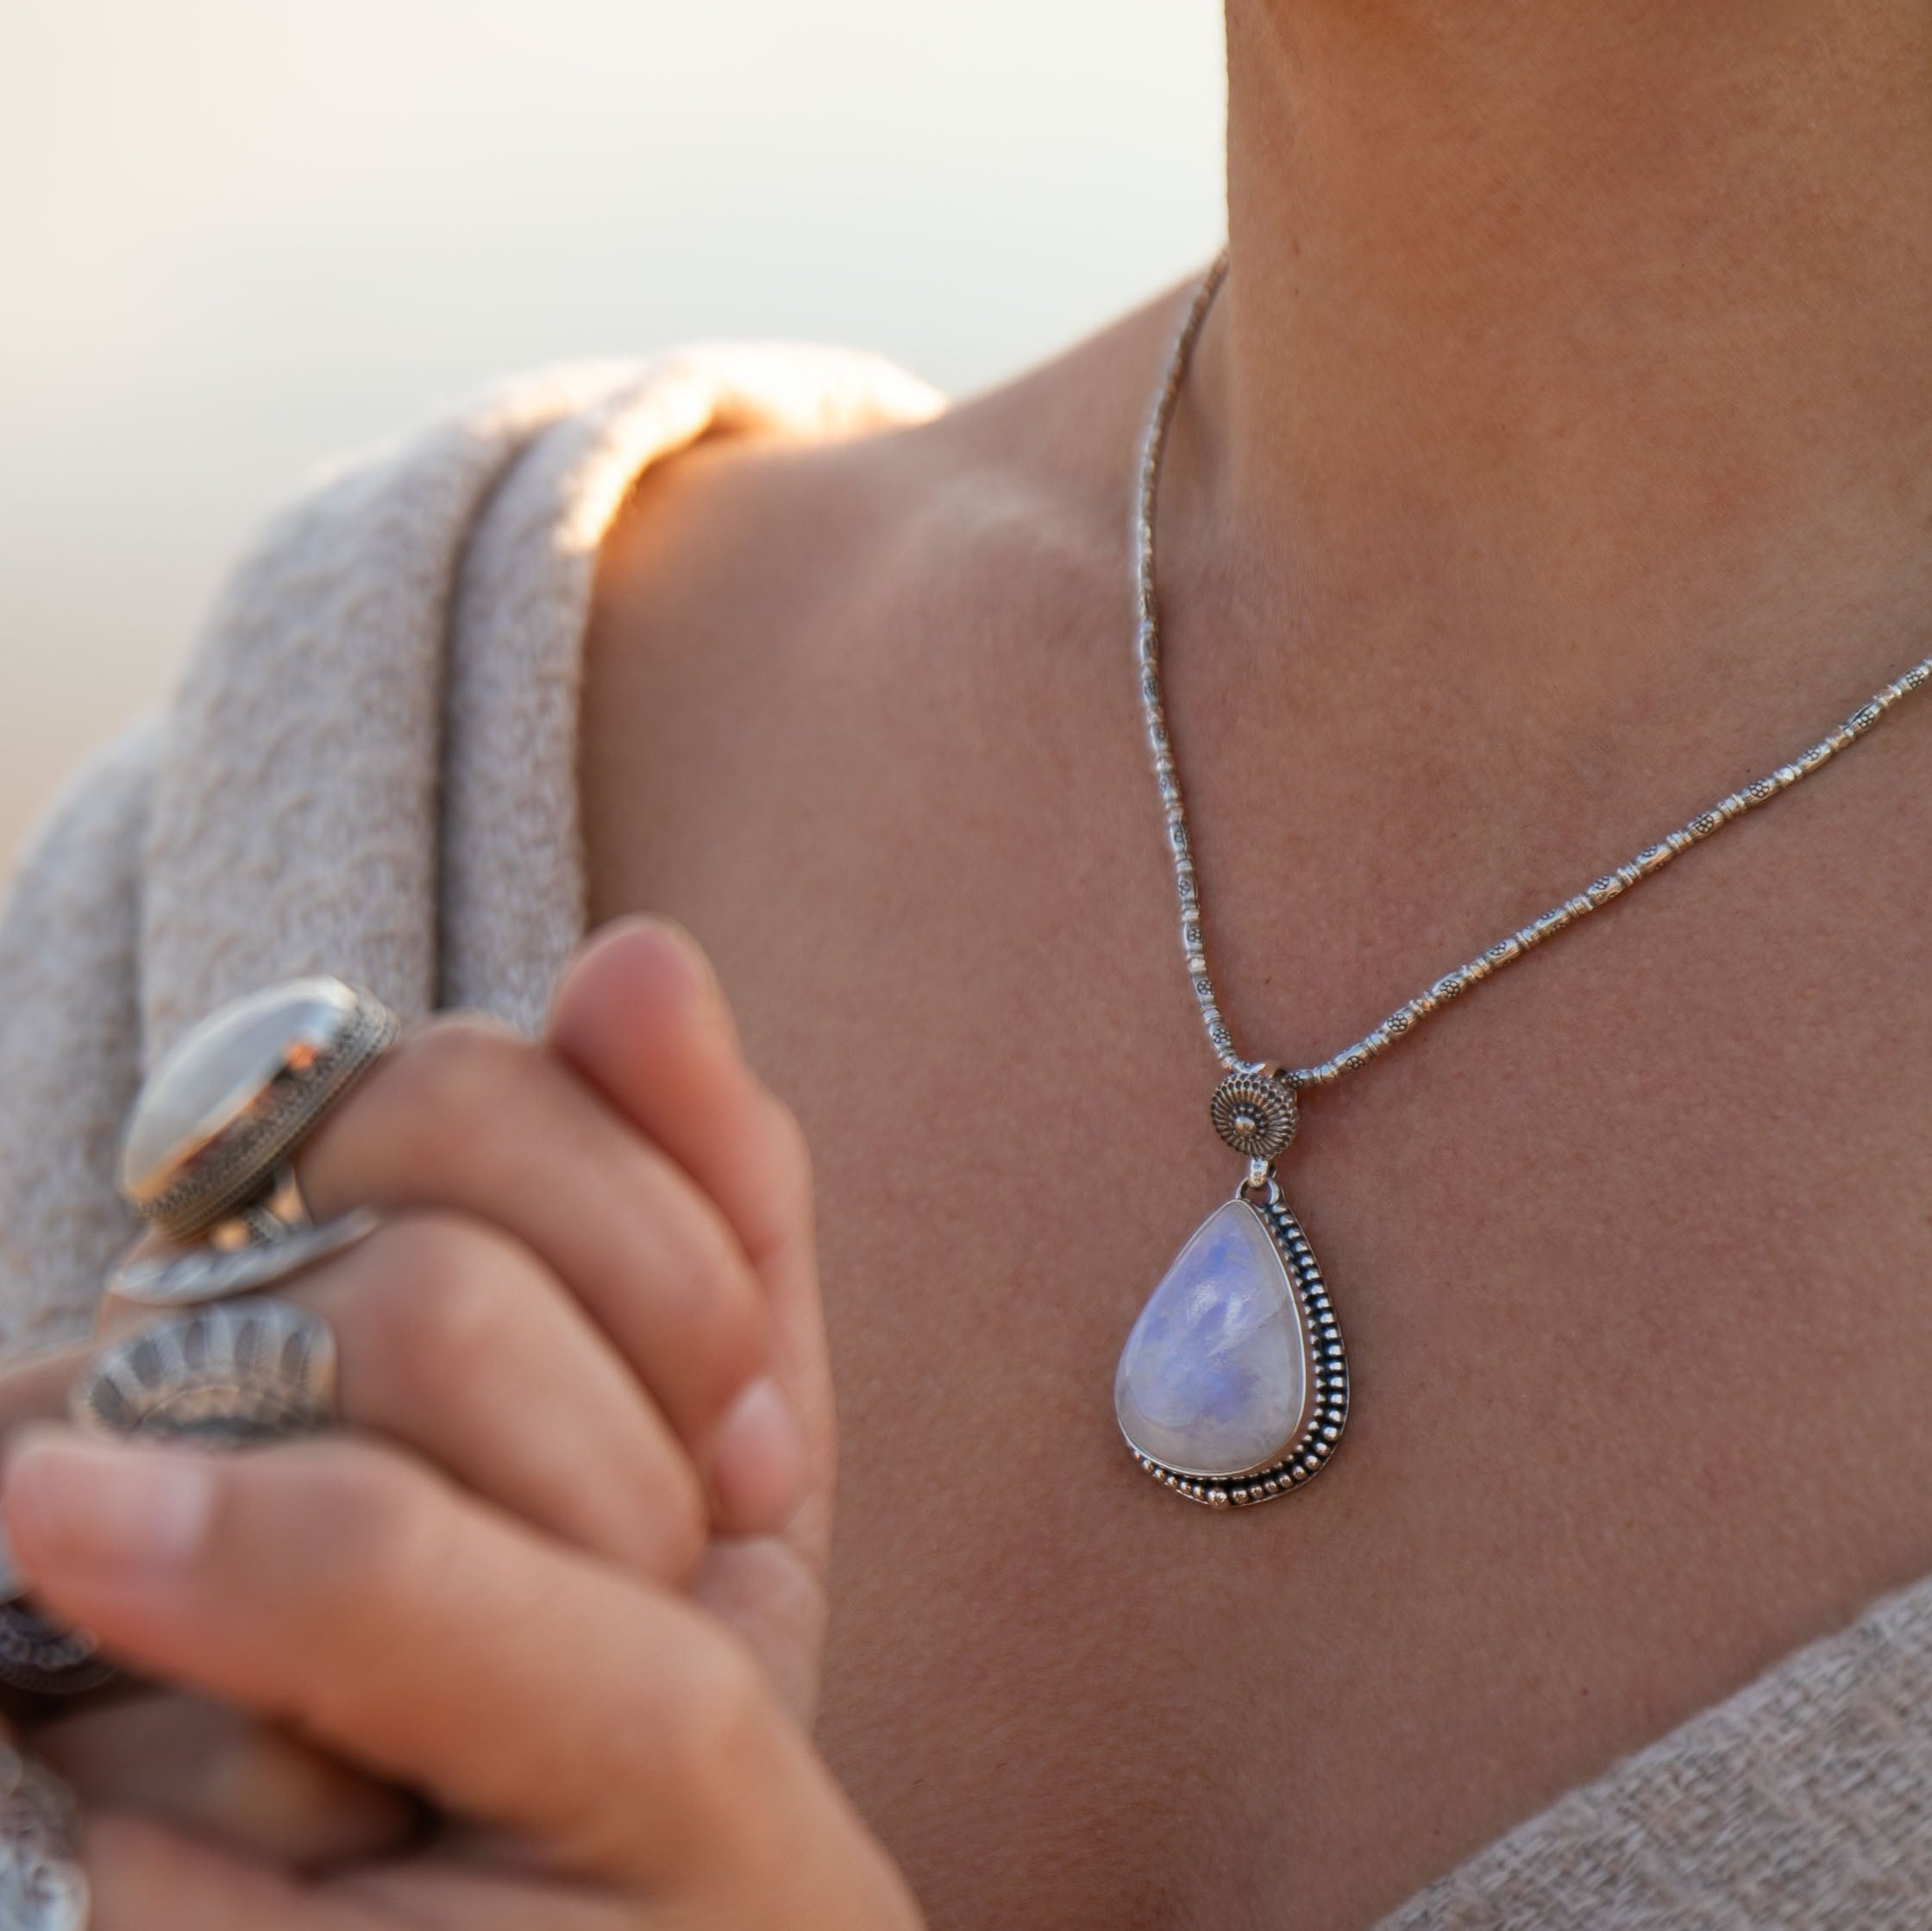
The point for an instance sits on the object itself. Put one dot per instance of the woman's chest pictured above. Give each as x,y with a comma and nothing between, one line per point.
1633,1252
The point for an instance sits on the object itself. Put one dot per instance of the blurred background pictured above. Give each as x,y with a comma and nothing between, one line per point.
239,236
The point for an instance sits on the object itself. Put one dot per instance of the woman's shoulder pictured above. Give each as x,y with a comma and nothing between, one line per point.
821,520
752,577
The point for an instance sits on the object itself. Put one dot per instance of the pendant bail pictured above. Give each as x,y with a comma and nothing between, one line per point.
1255,1110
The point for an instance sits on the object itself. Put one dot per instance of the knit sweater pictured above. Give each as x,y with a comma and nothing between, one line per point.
370,770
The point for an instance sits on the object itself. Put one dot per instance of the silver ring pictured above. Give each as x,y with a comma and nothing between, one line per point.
42,1886
219,1117
38,1655
217,1273
46,1658
230,1375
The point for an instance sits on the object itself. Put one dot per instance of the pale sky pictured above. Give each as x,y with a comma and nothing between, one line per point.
238,235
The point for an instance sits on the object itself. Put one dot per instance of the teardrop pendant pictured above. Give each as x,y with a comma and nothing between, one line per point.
1232,1387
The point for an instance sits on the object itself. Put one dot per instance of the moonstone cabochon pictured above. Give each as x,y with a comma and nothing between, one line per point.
1215,1376
219,1069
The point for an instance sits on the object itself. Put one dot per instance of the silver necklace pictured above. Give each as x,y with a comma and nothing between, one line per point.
1233,1387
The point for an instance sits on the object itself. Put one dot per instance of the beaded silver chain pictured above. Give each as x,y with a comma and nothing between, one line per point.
1506,951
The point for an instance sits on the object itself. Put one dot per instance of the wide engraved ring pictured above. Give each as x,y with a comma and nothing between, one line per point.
224,1109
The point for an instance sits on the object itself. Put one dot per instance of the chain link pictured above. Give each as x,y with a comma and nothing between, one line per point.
1506,951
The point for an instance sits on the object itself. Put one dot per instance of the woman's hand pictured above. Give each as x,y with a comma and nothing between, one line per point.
596,1310
629,1745
624,1738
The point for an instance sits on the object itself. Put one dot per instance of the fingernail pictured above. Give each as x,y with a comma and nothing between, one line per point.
98,1509
757,1463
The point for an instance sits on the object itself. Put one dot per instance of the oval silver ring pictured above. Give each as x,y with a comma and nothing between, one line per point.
232,1374
218,1118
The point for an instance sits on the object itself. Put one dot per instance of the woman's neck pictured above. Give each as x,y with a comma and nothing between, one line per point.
1606,323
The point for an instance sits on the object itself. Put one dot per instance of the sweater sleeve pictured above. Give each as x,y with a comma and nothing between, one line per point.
70,1046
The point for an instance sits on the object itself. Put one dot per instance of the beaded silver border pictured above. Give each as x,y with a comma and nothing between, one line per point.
1324,1414
241,1159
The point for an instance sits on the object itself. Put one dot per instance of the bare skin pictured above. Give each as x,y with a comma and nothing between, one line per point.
1556,459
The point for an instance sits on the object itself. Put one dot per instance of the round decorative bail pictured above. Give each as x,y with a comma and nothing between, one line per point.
224,1109
1254,1109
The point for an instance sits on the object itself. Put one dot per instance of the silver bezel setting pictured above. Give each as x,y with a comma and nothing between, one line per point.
1324,1409
226,1172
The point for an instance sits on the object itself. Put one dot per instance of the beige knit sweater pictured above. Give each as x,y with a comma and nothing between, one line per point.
370,771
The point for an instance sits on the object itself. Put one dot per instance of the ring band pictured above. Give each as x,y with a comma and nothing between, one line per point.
230,1375
219,1117
217,1273
271,1216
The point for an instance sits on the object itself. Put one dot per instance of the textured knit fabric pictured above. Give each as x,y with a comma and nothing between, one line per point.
371,771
